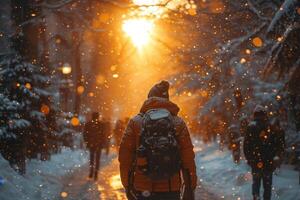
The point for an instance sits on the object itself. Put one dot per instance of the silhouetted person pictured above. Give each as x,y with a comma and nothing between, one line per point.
107,128
243,125
156,149
234,143
280,141
118,131
14,150
94,138
261,149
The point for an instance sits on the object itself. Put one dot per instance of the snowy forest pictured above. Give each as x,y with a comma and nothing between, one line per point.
63,60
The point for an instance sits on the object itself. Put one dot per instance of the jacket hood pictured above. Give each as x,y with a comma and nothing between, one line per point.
158,102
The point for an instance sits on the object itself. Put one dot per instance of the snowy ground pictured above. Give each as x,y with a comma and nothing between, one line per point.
218,174
64,177
43,179
108,186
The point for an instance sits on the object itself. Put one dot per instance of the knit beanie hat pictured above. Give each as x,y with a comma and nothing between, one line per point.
160,90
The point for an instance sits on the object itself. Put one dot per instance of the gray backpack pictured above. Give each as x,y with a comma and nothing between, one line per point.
158,155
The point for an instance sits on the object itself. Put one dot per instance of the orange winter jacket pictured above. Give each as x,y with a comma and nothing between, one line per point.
130,142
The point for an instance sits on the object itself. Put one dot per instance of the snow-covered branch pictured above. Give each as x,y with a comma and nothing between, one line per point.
277,48
32,21
258,13
285,10
119,4
235,43
75,16
56,5
126,5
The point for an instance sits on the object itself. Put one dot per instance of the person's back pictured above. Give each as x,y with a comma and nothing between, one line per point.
261,150
108,134
234,142
260,145
94,138
243,125
234,134
118,131
93,134
134,179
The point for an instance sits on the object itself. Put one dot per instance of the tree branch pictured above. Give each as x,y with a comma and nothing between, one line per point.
254,10
55,6
126,5
278,47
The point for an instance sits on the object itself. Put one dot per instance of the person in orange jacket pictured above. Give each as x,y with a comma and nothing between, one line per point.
138,185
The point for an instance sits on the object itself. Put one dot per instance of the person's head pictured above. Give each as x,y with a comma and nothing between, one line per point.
260,113
95,116
160,89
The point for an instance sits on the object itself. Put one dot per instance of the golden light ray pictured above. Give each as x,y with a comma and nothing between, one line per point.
147,2
139,31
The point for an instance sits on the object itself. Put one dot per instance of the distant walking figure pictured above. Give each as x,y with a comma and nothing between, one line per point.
263,147
95,139
156,149
118,131
107,130
234,143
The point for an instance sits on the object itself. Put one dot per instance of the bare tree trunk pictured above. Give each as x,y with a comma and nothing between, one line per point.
78,72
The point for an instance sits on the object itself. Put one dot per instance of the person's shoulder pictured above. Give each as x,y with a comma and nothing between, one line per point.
179,124
178,120
136,119
251,127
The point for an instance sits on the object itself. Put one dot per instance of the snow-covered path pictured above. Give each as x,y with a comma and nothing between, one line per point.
65,177
108,187
78,187
43,179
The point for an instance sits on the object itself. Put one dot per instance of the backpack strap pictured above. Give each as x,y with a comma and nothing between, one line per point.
134,164
131,174
140,130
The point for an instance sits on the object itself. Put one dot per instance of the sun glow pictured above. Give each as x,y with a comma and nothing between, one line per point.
147,2
139,31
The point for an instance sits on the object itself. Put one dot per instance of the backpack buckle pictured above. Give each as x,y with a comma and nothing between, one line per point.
146,193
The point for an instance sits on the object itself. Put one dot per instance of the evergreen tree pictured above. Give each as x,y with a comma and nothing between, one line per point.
25,102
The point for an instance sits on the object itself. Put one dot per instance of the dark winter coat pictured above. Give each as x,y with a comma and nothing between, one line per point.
94,135
261,144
